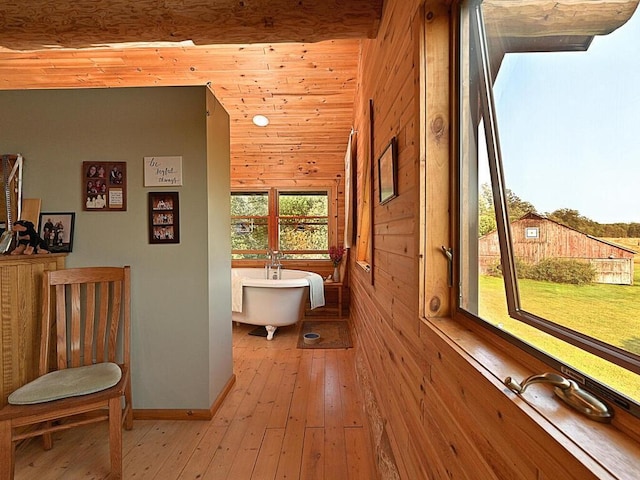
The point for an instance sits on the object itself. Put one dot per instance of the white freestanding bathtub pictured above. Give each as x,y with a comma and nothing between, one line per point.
257,300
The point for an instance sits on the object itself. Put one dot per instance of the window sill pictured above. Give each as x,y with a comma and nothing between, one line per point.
364,265
607,450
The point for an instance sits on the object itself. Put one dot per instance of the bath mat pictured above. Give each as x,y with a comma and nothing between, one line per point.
333,334
259,332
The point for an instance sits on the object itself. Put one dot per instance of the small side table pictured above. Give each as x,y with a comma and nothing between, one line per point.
340,287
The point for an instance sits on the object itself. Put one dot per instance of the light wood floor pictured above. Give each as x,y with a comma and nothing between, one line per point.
292,414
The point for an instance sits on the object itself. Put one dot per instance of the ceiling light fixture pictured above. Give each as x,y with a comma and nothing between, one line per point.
260,120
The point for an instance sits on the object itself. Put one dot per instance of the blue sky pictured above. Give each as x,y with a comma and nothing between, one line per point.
569,127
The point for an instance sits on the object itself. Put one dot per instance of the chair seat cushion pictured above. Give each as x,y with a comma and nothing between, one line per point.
69,382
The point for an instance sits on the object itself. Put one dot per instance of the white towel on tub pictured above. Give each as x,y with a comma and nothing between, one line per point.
316,290
236,293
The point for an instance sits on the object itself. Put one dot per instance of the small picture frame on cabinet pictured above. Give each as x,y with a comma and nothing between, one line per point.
164,217
56,229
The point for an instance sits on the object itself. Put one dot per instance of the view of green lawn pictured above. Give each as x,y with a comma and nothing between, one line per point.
606,312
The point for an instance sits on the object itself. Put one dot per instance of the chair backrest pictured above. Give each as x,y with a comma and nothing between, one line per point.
89,308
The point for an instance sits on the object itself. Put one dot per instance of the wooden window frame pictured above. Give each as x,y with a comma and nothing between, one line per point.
273,220
613,354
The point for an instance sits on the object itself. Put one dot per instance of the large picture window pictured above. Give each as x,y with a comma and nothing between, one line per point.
549,210
295,223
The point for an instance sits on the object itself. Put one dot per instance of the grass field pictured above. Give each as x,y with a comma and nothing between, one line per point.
608,312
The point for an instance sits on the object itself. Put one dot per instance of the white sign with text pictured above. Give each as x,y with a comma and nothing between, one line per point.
162,171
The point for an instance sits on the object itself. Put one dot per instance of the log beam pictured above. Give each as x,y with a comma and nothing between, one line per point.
41,24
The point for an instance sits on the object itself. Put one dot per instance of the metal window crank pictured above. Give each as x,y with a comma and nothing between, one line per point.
570,392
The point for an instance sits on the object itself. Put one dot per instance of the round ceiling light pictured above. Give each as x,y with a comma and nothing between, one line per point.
260,120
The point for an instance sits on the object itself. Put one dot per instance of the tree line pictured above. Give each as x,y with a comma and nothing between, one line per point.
566,216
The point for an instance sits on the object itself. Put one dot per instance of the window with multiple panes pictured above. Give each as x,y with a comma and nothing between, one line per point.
293,222
549,215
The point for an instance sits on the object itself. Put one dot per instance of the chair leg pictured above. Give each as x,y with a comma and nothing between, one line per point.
115,438
47,438
7,451
128,405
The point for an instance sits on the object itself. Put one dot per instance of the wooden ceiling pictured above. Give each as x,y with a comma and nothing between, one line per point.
294,61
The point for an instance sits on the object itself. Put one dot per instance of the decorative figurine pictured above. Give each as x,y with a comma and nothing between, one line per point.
27,239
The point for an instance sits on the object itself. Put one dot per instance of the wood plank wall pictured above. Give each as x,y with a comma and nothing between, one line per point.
436,412
385,314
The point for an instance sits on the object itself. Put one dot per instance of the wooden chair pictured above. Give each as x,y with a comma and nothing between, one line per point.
92,326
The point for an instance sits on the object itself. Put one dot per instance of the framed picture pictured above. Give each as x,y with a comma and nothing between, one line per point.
387,183
164,217
104,186
56,229
162,171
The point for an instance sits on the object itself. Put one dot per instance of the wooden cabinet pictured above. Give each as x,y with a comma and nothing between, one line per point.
20,310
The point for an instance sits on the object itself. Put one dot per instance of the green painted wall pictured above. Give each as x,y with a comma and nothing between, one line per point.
181,292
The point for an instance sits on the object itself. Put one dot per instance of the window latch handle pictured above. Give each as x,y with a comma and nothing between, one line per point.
448,252
569,391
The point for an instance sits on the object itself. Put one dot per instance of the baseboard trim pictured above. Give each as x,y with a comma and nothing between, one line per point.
225,391
185,414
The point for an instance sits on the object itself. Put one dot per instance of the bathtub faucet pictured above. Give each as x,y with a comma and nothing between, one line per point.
273,267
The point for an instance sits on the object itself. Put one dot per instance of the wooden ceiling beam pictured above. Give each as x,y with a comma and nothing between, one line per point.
45,24
562,18
306,89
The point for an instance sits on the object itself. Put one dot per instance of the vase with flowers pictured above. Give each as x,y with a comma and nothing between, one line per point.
336,254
